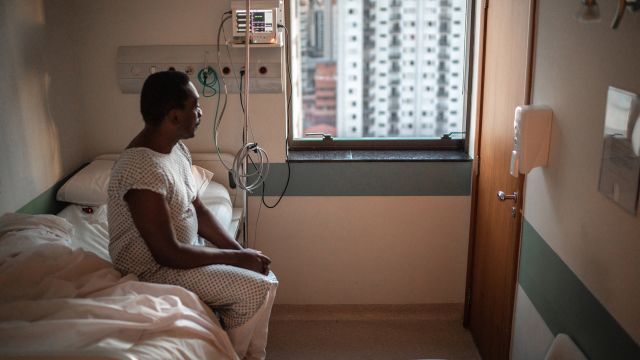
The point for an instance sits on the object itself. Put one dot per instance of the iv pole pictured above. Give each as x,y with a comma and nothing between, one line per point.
245,196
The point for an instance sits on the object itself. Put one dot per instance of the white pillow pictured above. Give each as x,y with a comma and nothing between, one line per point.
202,178
89,186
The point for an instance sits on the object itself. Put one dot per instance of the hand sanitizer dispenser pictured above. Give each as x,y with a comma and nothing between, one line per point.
532,133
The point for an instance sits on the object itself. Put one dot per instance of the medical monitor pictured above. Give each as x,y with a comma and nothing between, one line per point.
264,24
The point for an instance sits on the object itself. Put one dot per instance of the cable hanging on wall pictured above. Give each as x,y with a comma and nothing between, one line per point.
246,180
250,167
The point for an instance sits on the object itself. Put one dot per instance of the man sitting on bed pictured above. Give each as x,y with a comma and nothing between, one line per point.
161,231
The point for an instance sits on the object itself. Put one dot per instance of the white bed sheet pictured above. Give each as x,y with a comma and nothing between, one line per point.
59,302
92,233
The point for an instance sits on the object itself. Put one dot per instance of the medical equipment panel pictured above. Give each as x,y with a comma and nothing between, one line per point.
135,63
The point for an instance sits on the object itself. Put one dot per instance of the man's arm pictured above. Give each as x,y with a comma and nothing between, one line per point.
210,229
150,214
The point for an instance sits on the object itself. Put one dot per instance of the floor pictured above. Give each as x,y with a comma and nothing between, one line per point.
371,332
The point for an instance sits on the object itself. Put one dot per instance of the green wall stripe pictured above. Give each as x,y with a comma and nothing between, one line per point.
566,304
370,179
46,202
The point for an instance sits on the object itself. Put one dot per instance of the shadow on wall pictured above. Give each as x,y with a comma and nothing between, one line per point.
30,145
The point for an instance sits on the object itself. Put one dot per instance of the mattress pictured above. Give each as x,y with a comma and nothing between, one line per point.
90,223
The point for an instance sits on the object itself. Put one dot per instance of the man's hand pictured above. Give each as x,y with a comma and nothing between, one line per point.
255,261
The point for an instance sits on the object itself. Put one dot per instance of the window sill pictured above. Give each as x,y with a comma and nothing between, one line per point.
377,155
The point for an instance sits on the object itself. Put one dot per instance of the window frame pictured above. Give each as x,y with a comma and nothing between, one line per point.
396,143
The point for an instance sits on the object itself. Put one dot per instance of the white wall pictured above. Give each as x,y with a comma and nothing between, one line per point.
598,240
366,249
40,135
326,249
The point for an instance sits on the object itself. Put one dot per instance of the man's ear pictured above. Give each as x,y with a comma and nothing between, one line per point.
173,117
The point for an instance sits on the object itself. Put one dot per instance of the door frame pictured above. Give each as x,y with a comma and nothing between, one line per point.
479,93
531,46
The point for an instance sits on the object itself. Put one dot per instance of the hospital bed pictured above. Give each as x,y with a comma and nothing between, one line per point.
60,296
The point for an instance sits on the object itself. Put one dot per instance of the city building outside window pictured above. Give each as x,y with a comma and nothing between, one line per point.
379,73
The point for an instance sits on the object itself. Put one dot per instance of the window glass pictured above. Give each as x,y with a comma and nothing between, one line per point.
380,70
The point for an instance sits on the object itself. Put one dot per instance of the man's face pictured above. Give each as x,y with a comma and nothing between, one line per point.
191,114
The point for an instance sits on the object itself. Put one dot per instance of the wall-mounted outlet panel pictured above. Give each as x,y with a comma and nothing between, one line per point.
266,71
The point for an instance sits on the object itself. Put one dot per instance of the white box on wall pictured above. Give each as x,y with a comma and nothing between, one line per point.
531,139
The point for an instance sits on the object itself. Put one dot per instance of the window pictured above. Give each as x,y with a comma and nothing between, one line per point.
351,59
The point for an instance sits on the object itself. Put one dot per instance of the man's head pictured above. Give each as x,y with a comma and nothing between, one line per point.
169,95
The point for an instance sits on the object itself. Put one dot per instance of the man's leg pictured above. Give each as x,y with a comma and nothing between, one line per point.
250,338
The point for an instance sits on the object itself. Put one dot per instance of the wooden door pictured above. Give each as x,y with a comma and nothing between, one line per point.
505,78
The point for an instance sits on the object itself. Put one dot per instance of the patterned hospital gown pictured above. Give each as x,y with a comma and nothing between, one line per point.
235,293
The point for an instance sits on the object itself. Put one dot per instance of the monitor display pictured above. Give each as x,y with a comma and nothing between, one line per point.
262,21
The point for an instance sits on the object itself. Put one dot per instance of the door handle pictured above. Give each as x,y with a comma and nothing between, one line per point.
502,196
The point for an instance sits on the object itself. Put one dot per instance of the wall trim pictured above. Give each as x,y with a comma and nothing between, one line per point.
370,179
46,203
566,304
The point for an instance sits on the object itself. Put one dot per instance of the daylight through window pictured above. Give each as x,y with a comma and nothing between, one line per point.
380,69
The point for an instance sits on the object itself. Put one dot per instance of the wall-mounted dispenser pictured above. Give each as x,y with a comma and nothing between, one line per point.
531,138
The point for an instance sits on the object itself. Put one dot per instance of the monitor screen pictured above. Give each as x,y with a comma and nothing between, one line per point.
262,20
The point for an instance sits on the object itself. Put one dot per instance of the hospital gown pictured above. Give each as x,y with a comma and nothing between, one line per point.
235,293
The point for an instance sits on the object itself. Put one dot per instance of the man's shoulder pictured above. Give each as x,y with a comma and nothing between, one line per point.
184,150
137,159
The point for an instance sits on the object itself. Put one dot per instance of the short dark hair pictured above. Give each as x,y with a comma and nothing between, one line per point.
162,92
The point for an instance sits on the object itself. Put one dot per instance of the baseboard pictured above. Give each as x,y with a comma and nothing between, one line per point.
357,312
